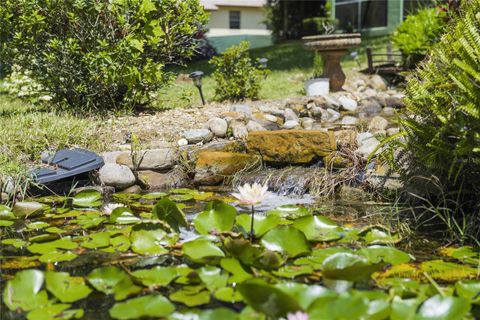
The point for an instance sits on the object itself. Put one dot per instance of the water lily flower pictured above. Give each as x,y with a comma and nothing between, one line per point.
299,315
108,209
251,194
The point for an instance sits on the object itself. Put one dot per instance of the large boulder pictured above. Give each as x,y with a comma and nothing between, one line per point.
163,181
156,159
242,108
291,146
239,130
117,176
218,126
212,167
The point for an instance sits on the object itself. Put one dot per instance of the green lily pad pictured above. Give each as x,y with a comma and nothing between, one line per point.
228,294
157,276
318,228
6,223
123,215
292,271
24,291
261,224
55,311
317,256
27,209
347,266
286,239
305,294
6,213
97,240
265,298
289,212
235,268
54,230
469,290
90,220
65,287
168,211
443,308
191,296
57,256
390,255
404,309
111,280
214,278
149,242
217,216
87,199
377,235
464,254
202,247
154,195
119,243
154,306
47,247
17,243
341,307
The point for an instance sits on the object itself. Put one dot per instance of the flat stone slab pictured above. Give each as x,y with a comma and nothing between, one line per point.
156,159
291,146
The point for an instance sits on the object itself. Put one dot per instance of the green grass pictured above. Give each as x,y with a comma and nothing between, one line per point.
27,130
290,66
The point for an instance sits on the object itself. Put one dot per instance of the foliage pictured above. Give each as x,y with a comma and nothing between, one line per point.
291,270
96,55
20,84
441,130
318,25
237,76
418,33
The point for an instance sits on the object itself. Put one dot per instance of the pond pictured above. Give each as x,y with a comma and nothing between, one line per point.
186,254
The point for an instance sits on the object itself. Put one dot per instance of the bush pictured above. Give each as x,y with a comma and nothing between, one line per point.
237,76
318,25
442,124
96,54
418,33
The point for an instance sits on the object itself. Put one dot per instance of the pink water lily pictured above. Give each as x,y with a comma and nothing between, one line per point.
299,315
251,194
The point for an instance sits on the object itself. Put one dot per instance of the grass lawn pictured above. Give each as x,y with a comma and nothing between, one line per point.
290,66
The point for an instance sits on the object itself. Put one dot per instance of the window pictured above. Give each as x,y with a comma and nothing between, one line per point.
361,14
234,17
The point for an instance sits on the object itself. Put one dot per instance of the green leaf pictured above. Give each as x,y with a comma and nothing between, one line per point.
305,294
123,215
65,287
376,235
157,276
55,311
213,278
469,290
318,228
404,309
289,211
201,247
97,240
17,243
261,224
27,209
267,299
149,242
217,216
168,211
191,296
87,199
154,306
90,220
228,294
147,6
390,255
347,266
218,314
57,256
24,291
47,247
341,307
6,213
443,308
235,268
154,195
286,239
111,280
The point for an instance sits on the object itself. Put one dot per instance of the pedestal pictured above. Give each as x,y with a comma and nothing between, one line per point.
332,68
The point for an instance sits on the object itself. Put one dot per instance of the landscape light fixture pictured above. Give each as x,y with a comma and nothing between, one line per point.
196,76
263,63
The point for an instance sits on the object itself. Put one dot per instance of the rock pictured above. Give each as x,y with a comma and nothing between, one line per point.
367,147
317,112
242,108
331,102
218,126
182,142
395,101
133,189
345,137
163,181
4,197
349,121
290,124
268,122
330,115
213,167
377,124
254,126
198,135
239,130
276,111
111,156
388,111
290,115
7,185
348,193
307,123
392,131
117,176
336,161
291,146
230,116
271,118
363,137
348,104
377,83
220,145
156,159
371,106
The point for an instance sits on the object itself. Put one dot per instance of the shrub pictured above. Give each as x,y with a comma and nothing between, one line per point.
418,33
96,54
442,124
318,25
237,76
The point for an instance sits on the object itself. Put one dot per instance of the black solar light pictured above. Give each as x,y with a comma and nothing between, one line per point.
196,76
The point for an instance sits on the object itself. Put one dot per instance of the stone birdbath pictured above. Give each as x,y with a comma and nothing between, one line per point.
332,48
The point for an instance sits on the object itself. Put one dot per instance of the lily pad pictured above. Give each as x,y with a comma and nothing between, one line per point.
65,287
289,211
214,278
90,220
347,266
286,239
97,240
378,235
390,255
305,294
87,198
217,216
318,228
235,268
154,195
464,254
168,211
154,306
149,242
24,291
111,280
27,209
57,256
469,290
47,247
228,294
123,215
55,311
6,213
443,308
202,247
157,276
261,224
17,243
191,296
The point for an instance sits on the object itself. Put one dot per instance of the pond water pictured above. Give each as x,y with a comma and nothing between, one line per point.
186,254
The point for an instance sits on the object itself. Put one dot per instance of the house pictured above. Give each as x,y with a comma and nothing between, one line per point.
233,21
373,17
